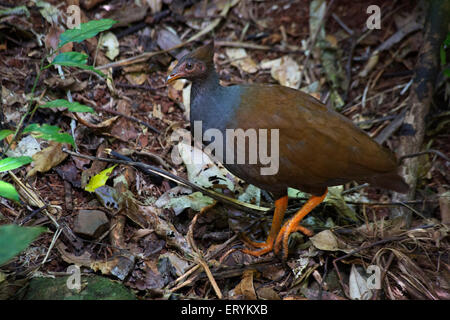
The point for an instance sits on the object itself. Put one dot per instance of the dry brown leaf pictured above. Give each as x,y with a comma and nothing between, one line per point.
285,70
136,78
155,5
52,39
326,240
245,288
268,293
128,13
48,158
241,60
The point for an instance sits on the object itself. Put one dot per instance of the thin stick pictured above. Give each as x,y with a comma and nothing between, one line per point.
247,207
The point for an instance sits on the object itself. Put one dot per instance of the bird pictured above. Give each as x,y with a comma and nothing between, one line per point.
318,146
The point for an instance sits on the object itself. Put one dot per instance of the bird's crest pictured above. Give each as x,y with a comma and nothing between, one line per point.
204,53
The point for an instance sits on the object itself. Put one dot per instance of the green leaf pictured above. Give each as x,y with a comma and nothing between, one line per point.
49,132
445,45
99,179
13,163
447,72
85,31
74,59
15,239
447,40
71,106
8,191
4,133
70,59
91,68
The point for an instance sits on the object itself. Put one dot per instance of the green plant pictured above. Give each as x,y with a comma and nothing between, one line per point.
15,239
46,131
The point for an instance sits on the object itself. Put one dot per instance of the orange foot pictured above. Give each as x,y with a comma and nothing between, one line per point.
278,237
282,241
264,247
267,246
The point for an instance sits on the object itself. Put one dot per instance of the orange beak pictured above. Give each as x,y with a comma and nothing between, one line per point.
174,76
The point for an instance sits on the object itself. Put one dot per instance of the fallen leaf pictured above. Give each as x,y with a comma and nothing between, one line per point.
201,169
335,198
111,44
196,201
285,70
155,5
28,147
99,179
326,240
48,158
127,14
358,286
241,60
245,288
267,293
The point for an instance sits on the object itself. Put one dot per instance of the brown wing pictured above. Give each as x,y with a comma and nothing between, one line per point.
318,146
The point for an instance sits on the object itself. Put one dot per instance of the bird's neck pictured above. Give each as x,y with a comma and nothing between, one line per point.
211,103
205,86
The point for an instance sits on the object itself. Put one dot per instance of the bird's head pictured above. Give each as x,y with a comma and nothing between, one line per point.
194,65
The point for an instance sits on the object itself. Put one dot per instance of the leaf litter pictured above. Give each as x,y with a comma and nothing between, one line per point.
309,52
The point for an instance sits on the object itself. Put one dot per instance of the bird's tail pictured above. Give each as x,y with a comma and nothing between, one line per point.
391,181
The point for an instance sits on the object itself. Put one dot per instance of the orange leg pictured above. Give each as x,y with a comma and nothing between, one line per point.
293,224
280,208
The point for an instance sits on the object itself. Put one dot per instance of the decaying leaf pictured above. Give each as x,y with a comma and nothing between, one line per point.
155,5
335,198
252,194
48,158
201,169
326,240
245,288
358,286
180,198
128,13
285,70
241,60
111,44
168,38
28,147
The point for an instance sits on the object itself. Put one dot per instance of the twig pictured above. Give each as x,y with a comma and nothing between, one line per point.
249,45
314,39
117,113
199,256
147,55
391,128
436,152
247,207
342,24
197,267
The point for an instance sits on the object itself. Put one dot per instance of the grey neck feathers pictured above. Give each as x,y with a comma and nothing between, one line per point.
211,103
205,86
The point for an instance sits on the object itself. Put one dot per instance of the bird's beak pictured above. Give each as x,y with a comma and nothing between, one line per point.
173,76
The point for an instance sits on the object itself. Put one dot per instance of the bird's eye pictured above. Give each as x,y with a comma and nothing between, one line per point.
189,66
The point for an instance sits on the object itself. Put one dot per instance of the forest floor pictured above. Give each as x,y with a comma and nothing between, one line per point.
153,238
